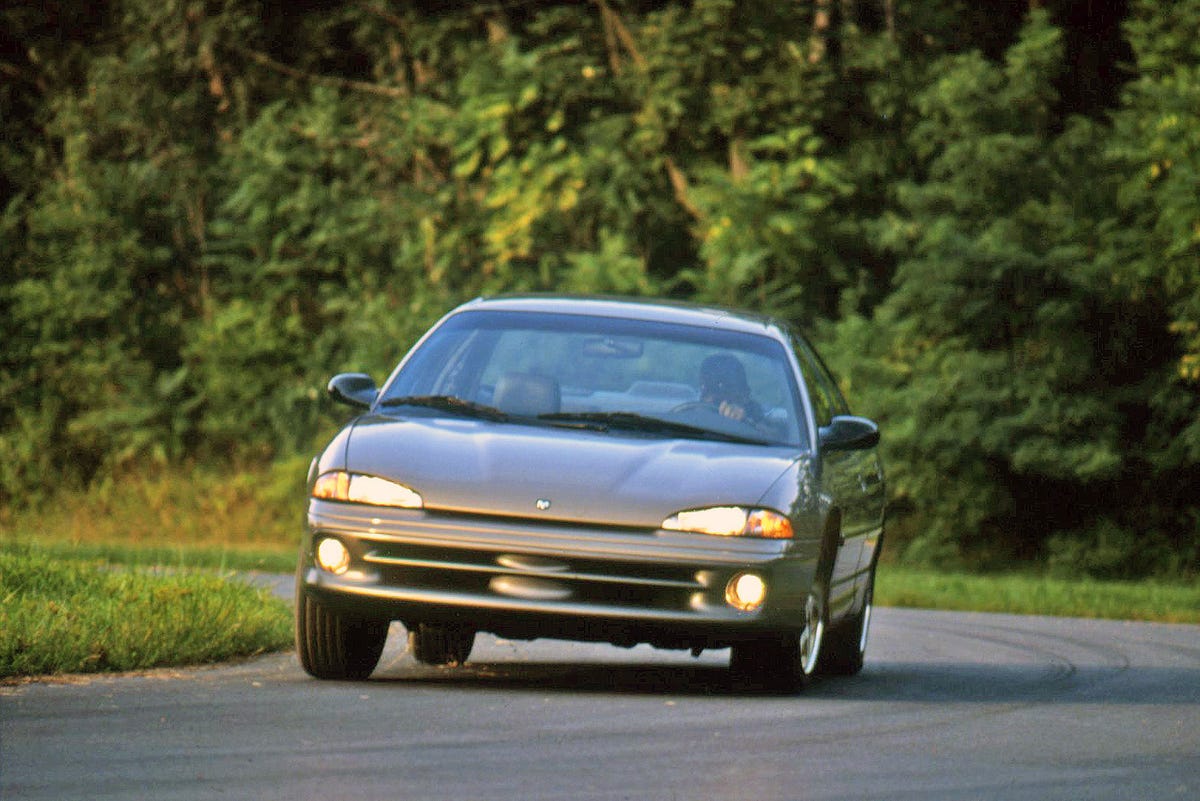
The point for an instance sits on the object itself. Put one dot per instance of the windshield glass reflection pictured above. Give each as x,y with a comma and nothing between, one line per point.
613,373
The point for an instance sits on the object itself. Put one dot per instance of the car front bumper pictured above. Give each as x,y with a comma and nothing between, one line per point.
524,579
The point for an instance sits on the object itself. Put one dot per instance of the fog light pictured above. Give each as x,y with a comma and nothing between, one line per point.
333,556
746,592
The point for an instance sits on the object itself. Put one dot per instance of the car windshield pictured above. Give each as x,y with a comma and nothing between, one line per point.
614,374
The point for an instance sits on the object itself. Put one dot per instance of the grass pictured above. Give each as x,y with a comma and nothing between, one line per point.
1030,594
221,558
183,509
74,616
82,580
182,517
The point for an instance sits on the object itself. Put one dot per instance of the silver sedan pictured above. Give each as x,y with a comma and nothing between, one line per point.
602,470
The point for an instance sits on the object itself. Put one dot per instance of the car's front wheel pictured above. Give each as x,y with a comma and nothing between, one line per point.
336,645
440,645
845,644
782,662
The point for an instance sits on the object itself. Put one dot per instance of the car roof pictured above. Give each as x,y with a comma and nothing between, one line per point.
655,310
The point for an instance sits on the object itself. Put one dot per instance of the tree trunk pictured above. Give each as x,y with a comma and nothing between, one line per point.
818,42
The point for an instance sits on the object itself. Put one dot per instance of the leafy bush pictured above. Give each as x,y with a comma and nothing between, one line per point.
208,209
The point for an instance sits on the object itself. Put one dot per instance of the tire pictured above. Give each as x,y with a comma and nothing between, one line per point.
440,645
785,662
336,645
845,644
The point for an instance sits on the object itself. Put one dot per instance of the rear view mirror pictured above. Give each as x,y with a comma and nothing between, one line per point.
848,433
353,389
612,348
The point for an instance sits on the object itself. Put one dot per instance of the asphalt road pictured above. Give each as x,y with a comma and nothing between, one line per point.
950,706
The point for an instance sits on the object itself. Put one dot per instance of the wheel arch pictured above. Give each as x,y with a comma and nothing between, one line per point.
831,540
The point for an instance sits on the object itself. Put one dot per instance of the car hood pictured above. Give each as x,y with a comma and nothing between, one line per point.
612,478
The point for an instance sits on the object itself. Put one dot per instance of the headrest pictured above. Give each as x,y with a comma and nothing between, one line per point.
527,395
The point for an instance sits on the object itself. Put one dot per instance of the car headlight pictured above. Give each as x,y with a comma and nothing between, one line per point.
339,485
732,521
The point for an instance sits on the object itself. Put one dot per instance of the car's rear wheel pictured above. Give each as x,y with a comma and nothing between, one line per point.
845,644
783,662
440,644
336,645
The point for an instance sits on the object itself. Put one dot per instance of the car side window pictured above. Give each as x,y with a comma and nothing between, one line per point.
823,392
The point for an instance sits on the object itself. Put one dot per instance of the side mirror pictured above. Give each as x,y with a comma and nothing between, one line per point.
849,433
353,389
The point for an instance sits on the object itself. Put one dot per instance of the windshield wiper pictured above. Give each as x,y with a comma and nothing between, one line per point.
630,421
447,403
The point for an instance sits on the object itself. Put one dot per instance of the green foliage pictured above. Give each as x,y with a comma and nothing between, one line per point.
1110,550
105,244
208,208
1154,243
993,403
983,381
767,229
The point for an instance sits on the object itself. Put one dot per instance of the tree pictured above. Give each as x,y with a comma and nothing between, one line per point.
990,397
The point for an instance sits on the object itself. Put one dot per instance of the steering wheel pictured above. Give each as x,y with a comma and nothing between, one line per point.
694,406
709,416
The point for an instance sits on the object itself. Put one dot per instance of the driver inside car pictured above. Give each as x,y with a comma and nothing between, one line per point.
723,386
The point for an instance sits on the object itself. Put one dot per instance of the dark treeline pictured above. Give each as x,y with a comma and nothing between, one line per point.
988,214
